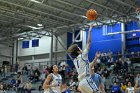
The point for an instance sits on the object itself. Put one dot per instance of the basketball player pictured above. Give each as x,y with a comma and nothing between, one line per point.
53,82
86,84
96,77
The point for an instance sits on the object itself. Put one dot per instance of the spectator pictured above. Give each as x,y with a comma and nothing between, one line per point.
16,67
115,88
43,77
28,87
29,69
117,66
110,61
123,87
129,88
128,62
137,77
124,66
110,53
25,70
2,72
103,79
18,79
103,57
137,86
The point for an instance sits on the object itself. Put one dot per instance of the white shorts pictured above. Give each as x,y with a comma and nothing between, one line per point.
87,85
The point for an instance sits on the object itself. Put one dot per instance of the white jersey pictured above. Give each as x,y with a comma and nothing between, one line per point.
82,64
56,80
130,89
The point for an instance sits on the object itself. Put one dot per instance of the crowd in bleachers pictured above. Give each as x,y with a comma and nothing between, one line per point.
108,65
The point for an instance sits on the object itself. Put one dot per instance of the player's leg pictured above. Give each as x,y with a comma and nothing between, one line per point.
87,85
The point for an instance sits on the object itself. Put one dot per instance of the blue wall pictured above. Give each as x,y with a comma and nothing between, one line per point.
102,42
132,42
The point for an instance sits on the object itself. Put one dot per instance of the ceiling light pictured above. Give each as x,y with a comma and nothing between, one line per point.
39,24
35,1
20,38
84,16
35,27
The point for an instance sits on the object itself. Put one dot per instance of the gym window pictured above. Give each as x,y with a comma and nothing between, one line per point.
35,43
25,44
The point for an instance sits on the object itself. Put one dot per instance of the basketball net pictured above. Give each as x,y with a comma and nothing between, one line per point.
138,15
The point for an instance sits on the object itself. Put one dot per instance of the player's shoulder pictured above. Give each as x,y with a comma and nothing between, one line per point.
50,75
97,75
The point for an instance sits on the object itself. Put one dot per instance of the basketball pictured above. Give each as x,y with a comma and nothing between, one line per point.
91,14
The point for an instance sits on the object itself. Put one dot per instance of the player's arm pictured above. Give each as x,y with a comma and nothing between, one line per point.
102,88
93,63
101,85
47,82
89,37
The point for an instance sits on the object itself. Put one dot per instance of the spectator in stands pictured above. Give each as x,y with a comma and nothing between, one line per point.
18,80
132,54
20,88
124,66
43,77
2,72
130,88
119,55
115,88
3,87
36,73
137,85
13,82
29,68
128,62
103,79
5,69
110,61
117,66
106,72
46,71
110,53
16,67
137,77
138,53
25,70
28,87
123,87
103,57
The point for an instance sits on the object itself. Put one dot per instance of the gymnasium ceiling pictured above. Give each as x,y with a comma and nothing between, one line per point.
35,18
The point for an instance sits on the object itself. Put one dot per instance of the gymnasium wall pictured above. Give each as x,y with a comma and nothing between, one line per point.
132,39
41,53
101,41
